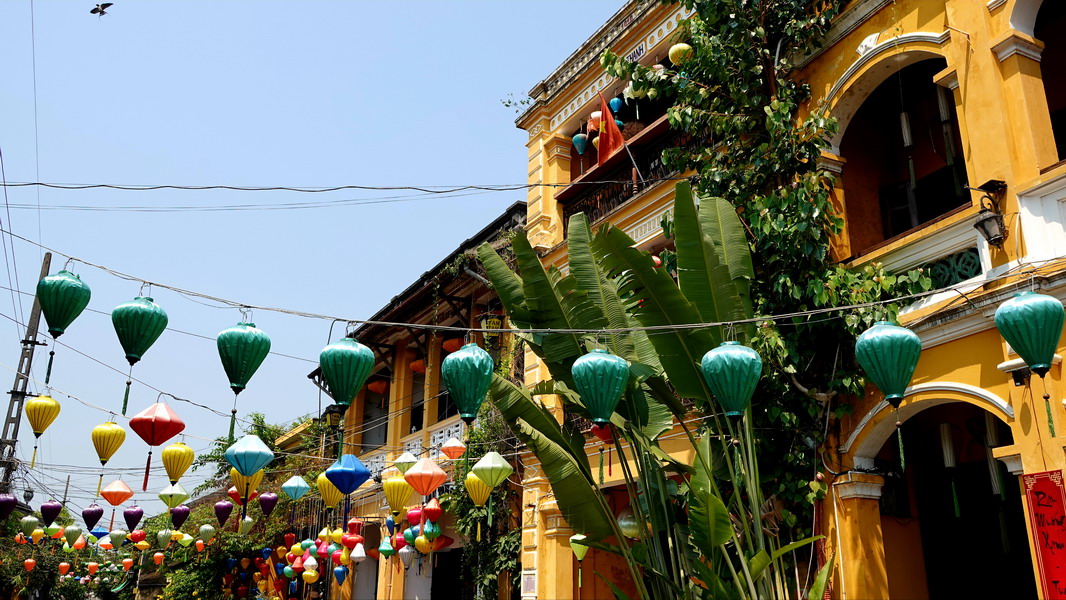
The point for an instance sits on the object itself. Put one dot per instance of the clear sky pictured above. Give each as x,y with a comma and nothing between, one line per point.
248,93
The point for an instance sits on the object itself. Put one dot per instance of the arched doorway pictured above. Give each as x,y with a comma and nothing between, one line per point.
952,517
1048,28
904,163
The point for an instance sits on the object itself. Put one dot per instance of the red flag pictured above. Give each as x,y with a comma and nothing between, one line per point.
610,136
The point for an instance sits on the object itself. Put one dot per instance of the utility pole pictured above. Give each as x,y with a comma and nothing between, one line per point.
9,437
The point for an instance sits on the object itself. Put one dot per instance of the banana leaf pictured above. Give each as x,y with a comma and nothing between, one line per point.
720,223
703,278
656,300
507,284
578,500
515,403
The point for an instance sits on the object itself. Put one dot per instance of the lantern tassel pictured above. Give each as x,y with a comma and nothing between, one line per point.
112,526
244,506
33,461
610,469
579,574
899,439
126,395
479,530
1047,406
48,371
99,485
490,510
232,423
955,499
601,465
147,468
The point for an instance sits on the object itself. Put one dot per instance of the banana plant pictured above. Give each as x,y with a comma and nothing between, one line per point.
707,535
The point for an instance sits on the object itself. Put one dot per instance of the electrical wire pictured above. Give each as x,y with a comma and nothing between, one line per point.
430,189
576,331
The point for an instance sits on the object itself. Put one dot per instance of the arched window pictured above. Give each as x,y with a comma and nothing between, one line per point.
904,161
1050,23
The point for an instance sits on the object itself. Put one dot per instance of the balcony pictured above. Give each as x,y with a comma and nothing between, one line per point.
606,187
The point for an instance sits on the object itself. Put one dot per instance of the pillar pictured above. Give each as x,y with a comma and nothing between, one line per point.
856,537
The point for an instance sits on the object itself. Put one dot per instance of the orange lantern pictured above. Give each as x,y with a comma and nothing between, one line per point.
63,568
453,448
199,545
452,345
59,533
425,476
116,493
93,567
29,563
158,558
418,366
127,563
378,386
79,544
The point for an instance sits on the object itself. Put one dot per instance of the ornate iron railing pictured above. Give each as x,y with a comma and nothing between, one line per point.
954,268
622,183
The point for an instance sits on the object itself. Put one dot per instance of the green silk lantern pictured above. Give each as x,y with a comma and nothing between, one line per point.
63,297
732,372
467,373
138,324
600,377
889,354
345,364
242,349
1032,325
577,544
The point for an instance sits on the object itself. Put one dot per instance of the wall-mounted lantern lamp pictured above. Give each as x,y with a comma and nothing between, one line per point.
989,220
333,415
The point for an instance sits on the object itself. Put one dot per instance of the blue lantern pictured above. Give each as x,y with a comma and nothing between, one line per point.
248,455
347,474
340,573
615,104
581,143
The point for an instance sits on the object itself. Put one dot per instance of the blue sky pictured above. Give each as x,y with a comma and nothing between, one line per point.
250,93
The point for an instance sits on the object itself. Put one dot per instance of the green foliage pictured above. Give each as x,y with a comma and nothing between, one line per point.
495,555
756,142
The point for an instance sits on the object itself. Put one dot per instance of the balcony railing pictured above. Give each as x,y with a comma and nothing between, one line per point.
605,188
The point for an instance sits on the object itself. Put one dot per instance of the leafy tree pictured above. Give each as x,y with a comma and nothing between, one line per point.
756,140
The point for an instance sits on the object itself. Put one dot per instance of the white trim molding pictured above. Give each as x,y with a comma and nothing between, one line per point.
907,38
879,432
1018,43
1043,220
994,4
868,487
1013,462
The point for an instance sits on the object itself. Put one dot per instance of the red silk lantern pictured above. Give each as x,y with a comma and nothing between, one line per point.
236,496
418,366
452,345
442,542
127,564
29,564
355,526
433,511
158,557
378,386
156,425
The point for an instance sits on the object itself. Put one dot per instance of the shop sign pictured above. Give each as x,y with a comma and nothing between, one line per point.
1046,497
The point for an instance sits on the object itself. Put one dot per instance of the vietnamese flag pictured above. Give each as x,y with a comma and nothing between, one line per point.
610,136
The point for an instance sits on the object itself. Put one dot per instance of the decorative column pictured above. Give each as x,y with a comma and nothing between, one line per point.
1025,103
856,536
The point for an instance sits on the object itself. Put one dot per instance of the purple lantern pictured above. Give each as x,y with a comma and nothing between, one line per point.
91,515
49,512
178,515
132,515
267,502
223,510
7,505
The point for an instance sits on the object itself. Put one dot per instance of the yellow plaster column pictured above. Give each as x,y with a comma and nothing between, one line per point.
353,420
856,538
432,383
1025,103
840,244
540,201
546,541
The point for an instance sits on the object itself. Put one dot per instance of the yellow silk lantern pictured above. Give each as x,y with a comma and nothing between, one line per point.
142,545
40,412
397,494
422,544
346,556
330,494
37,534
107,438
246,484
336,536
310,576
479,494
177,458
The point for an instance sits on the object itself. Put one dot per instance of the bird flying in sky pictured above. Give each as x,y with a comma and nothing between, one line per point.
101,9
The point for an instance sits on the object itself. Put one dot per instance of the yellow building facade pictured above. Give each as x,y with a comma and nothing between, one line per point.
935,99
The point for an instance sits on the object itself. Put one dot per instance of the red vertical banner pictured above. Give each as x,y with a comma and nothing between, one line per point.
1046,498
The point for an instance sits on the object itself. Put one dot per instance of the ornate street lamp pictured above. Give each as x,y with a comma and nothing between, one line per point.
989,222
